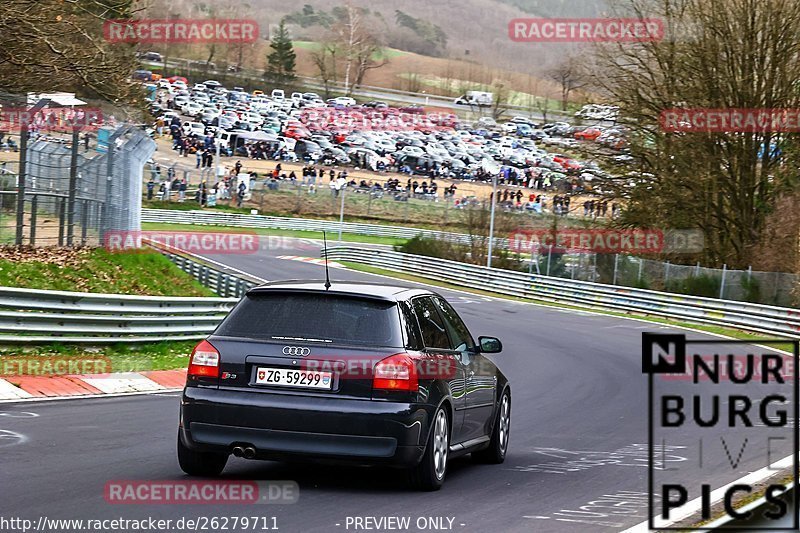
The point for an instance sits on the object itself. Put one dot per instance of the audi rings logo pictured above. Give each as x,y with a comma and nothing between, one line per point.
297,351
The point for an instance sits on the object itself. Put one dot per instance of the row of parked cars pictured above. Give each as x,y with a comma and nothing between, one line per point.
371,135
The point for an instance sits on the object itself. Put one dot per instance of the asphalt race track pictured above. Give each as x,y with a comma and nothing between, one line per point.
578,395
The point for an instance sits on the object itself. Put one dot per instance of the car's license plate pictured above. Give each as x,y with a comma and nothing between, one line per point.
290,377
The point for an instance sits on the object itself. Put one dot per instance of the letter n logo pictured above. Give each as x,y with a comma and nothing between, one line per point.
663,354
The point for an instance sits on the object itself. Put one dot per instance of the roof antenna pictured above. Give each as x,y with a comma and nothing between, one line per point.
327,275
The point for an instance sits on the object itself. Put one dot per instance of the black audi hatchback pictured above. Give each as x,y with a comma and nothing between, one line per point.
363,373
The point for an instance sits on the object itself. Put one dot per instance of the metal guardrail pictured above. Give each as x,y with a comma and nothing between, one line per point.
224,284
29,316
35,316
207,218
754,318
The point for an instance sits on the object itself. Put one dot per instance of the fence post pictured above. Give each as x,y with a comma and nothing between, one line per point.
34,201
750,273
616,266
594,271
22,170
722,284
62,211
666,274
73,186
84,222
549,257
697,269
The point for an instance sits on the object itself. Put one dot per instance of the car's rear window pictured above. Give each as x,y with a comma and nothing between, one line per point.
324,318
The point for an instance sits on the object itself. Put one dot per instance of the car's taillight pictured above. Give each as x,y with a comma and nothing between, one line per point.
204,361
397,372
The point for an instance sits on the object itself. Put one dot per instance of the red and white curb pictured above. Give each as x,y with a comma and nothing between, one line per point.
16,388
312,260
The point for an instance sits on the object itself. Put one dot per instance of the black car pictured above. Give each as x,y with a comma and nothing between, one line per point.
361,373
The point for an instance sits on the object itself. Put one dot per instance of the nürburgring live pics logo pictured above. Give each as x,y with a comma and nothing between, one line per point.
735,403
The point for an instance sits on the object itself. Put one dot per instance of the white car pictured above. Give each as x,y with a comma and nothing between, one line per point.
194,128
192,109
413,150
278,94
509,127
344,101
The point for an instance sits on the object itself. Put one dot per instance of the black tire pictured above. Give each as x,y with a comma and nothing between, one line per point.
429,474
201,464
498,446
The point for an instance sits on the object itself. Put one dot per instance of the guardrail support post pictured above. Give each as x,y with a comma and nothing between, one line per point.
549,258
641,265
616,267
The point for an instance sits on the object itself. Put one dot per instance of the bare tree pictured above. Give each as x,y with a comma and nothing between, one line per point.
324,59
571,76
59,45
357,44
733,54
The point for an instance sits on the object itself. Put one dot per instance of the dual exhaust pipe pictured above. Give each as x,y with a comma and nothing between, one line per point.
248,452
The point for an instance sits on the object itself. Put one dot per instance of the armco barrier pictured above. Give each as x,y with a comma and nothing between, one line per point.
754,318
34,316
209,218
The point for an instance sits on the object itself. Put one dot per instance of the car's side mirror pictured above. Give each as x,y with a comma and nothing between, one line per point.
490,344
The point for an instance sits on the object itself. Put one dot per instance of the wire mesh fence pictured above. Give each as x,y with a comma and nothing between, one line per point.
770,288
74,193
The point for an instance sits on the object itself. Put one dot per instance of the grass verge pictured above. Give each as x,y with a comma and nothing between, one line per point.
96,270
118,357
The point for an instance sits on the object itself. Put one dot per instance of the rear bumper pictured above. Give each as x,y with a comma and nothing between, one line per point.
285,427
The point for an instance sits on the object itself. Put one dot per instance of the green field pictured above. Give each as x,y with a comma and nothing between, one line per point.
385,53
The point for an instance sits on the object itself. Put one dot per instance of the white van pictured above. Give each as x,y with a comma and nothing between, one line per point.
278,94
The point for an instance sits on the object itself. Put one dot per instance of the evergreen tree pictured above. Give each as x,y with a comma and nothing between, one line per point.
281,60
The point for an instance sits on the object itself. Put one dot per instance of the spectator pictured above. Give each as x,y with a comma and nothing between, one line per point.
182,190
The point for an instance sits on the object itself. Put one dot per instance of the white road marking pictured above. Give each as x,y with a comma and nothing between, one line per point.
19,414
90,396
11,438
